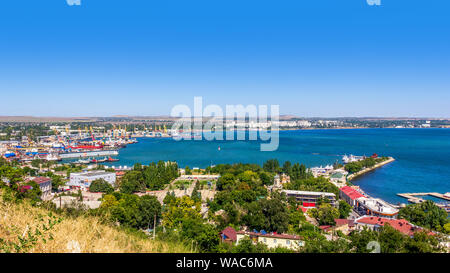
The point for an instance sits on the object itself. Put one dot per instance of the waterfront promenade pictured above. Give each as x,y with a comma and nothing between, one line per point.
366,170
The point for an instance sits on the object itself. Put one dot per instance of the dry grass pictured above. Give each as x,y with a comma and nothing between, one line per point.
82,234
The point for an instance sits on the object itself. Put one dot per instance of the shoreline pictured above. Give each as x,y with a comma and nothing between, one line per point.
366,170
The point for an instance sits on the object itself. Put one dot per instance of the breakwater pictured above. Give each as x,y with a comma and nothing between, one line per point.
366,170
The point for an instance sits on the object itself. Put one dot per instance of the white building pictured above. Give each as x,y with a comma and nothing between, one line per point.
310,198
85,179
303,123
272,240
375,207
45,184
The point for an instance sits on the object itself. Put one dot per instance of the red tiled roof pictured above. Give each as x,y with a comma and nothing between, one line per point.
40,180
401,225
325,227
342,222
351,192
230,233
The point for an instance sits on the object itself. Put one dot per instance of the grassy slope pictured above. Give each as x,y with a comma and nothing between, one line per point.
16,220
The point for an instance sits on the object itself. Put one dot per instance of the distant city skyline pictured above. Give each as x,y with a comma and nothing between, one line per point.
321,58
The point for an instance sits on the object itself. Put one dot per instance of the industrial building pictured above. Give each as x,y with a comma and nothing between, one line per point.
84,179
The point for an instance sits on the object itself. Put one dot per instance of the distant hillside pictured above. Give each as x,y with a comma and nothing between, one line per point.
24,228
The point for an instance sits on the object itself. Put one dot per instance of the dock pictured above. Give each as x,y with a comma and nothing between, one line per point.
89,154
415,197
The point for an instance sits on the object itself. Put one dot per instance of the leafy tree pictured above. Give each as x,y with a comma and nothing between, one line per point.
360,240
169,198
187,170
246,245
109,201
30,190
100,185
196,195
266,179
425,214
268,214
391,240
205,235
149,208
421,242
325,214
447,228
344,209
183,208
271,165
225,182
299,172
132,181
287,168
321,245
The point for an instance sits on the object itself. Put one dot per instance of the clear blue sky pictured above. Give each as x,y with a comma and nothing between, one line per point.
313,58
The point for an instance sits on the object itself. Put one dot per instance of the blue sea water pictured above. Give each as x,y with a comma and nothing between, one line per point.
422,155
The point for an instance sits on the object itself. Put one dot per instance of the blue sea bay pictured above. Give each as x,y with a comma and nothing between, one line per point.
422,155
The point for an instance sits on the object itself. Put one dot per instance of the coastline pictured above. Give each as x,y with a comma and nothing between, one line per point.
366,170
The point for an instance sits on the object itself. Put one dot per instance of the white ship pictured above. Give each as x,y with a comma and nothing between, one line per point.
52,157
348,159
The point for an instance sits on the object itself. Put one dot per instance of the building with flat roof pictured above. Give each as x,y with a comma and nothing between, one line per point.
375,207
310,198
84,179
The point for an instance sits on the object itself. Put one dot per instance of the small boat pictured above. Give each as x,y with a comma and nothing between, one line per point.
81,161
110,159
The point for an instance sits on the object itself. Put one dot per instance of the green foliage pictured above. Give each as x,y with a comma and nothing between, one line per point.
344,209
354,167
152,177
321,245
426,215
196,195
272,165
392,241
299,172
187,170
183,215
246,245
33,194
287,168
100,185
268,214
204,235
325,214
131,210
320,184
179,210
